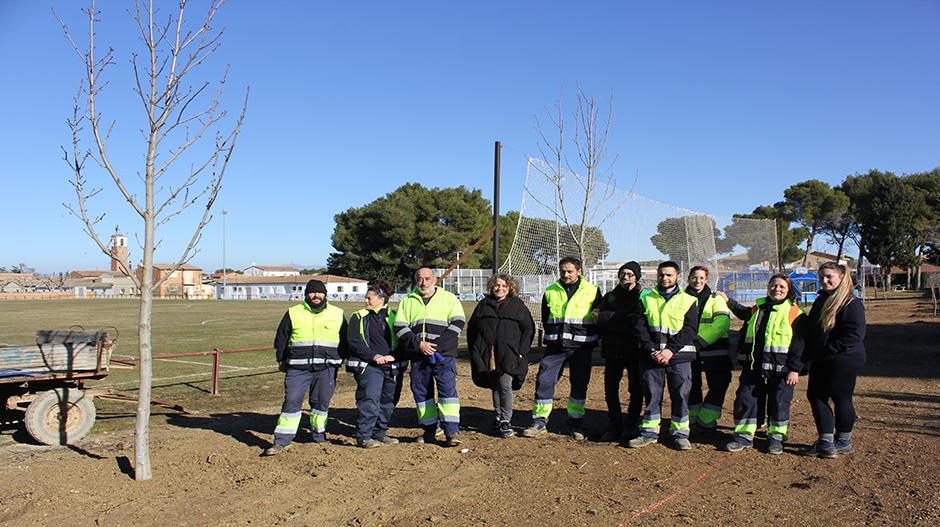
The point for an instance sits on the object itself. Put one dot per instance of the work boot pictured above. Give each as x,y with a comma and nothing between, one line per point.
385,440
319,437
369,443
774,446
274,450
683,444
736,446
505,429
534,431
454,440
642,441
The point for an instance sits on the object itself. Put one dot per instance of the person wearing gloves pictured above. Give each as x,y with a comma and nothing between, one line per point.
713,357
499,335
771,356
666,332
836,349
374,363
615,319
310,344
428,325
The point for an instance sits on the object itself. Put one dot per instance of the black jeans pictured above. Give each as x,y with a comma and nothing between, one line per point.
833,379
613,374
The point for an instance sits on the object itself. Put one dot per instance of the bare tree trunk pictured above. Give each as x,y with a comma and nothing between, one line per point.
142,470
809,247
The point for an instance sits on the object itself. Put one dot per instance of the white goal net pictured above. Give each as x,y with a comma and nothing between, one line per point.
619,226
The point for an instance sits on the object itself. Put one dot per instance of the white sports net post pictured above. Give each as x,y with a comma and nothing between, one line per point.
740,253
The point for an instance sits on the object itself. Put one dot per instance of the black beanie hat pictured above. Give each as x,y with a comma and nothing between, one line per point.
315,286
633,266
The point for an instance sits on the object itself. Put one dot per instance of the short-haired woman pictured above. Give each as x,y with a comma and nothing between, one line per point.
771,354
499,335
374,362
837,352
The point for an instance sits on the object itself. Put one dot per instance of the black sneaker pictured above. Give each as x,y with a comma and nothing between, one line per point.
505,429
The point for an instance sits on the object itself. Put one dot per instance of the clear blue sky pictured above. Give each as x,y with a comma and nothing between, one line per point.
719,105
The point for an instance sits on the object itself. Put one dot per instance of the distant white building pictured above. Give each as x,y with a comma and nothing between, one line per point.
271,270
244,287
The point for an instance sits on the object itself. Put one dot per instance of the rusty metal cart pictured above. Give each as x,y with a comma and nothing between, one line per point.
48,380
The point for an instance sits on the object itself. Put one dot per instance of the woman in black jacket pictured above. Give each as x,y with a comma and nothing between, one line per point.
499,335
837,353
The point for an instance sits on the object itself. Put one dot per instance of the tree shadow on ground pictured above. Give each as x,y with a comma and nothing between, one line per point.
903,350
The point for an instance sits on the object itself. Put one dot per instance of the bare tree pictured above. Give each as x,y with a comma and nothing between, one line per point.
180,112
588,204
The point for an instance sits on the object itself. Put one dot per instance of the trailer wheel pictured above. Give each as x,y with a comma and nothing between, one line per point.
53,420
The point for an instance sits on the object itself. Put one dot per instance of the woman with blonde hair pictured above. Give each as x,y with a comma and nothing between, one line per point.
499,335
836,350
770,349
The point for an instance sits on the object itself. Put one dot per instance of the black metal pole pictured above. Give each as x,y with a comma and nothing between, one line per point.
498,147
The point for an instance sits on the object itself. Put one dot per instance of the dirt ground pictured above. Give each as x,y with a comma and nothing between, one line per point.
207,469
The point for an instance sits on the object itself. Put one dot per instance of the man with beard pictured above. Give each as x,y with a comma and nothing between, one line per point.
666,333
570,338
428,326
310,344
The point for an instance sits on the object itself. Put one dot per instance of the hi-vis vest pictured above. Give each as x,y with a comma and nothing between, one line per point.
353,363
429,321
569,319
776,339
666,317
314,337
713,327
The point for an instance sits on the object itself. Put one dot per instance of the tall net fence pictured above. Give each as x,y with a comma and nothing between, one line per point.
617,226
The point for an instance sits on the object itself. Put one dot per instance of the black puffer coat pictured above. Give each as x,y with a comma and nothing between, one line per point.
616,319
505,327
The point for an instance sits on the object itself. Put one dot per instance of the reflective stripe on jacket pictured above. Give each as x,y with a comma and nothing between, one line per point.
667,317
440,321
315,337
570,321
777,337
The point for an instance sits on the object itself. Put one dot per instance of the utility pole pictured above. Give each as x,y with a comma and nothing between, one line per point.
497,149
458,253
224,269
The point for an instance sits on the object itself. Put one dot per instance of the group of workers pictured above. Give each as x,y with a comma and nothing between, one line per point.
664,338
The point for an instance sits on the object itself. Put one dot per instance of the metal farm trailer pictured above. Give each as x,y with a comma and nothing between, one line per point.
48,380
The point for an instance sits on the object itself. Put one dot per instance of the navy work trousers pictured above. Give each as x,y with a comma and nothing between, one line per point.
442,372
298,382
375,400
